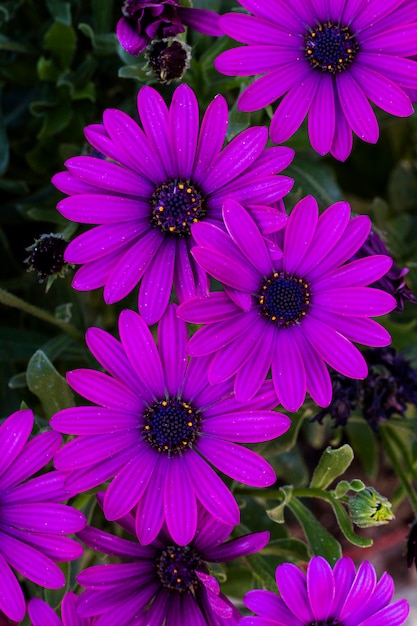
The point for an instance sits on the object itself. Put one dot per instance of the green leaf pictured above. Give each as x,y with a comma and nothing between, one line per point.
277,513
60,11
61,42
332,464
288,549
346,526
104,44
48,385
321,542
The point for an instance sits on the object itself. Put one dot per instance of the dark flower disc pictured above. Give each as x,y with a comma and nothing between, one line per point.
176,205
330,47
284,299
171,426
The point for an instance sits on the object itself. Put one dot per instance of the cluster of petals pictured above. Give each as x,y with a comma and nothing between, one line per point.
33,521
135,592
312,250
170,150
333,597
282,38
112,441
41,614
146,20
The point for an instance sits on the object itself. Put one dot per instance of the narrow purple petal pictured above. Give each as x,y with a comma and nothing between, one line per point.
237,547
150,508
41,614
230,359
247,426
95,208
382,91
360,330
31,563
320,588
400,41
131,266
237,462
69,184
267,604
112,545
212,337
235,158
14,433
253,372
130,138
141,351
267,89
318,381
344,573
355,301
212,136
57,548
374,11
299,232
252,30
395,614
86,451
103,390
361,590
335,349
129,38
201,20
183,124
43,517
382,596
95,274
211,490
92,420
97,136
153,114
129,484
359,273
322,116
292,586
288,371
227,269
216,308
109,176
184,278
102,240
155,289
293,108
356,108
246,236
48,487
180,503
172,342
12,601
343,138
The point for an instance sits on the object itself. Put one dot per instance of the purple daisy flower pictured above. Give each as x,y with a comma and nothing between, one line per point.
41,614
32,523
327,597
161,180
158,429
146,20
297,309
328,59
163,583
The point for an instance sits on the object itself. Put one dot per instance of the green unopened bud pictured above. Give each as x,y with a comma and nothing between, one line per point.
369,508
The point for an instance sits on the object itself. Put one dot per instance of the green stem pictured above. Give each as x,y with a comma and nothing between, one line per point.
388,437
11,300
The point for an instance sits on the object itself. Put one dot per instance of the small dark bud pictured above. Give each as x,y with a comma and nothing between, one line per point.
168,59
47,257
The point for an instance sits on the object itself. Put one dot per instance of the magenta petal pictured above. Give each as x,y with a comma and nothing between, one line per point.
395,614
237,547
321,594
201,20
141,351
150,508
180,503
96,208
103,390
361,590
14,433
318,381
172,341
95,274
253,372
288,371
41,614
31,563
212,337
382,91
156,286
322,117
355,301
12,601
129,484
86,451
184,278
271,607
217,307
183,125
154,117
226,269
292,586
343,138
293,108
212,136
211,490
246,236
131,266
43,517
358,329
37,452
335,349
299,232
237,462
92,420
358,273
247,426
69,184
356,108
129,38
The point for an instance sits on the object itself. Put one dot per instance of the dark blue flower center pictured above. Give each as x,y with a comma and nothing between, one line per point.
176,567
171,426
176,205
284,299
330,621
330,48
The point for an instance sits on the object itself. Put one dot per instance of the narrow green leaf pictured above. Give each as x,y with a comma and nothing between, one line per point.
346,526
321,542
61,41
288,549
333,463
48,385
277,513
363,442
60,11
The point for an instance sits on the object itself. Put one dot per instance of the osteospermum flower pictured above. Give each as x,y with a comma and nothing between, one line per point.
329,60
158,429
41,614
32,522
327,597
296,310
163,179
163,583
146,20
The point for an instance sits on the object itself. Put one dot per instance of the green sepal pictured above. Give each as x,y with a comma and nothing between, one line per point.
333,463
